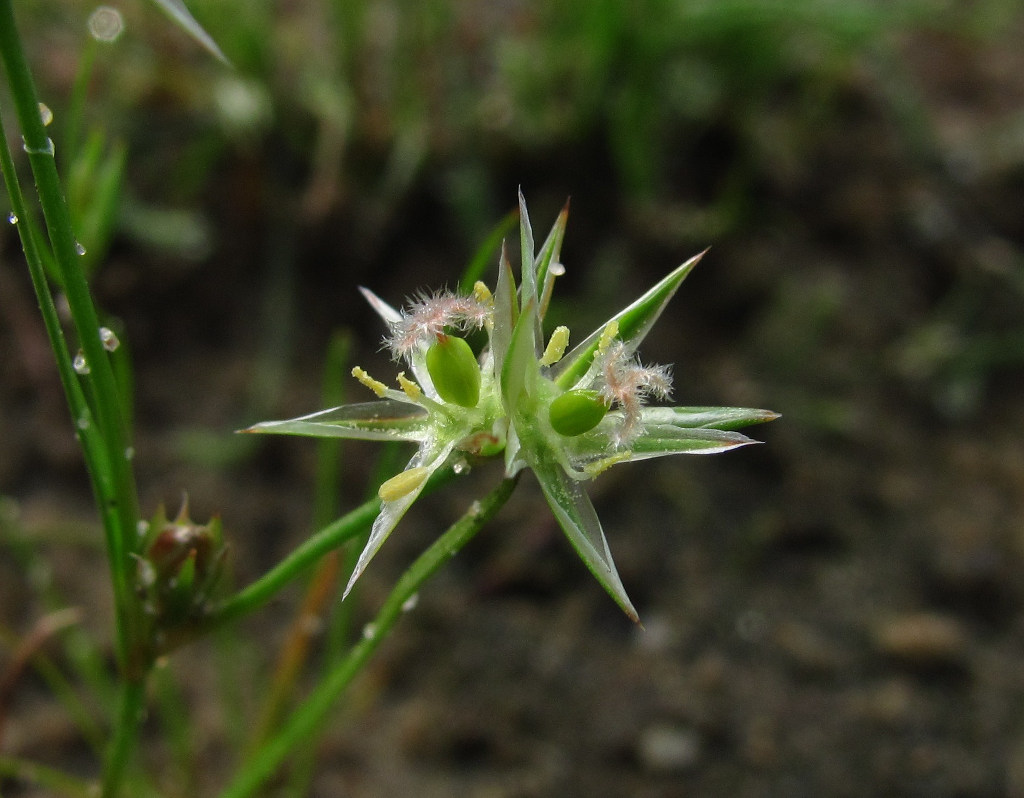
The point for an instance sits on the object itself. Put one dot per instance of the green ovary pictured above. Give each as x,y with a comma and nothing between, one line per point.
576,412
454,371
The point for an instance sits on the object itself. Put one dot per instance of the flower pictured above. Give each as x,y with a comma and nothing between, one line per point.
565,416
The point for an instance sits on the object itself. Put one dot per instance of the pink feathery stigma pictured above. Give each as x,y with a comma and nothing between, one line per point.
427,316
628,384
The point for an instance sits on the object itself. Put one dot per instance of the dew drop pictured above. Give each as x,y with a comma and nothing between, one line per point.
556,269
46,149
12,217
106,24
129,453
460,467
411,602
147,574
80,364
79,249
45,114
369,630
83,423
142,527
109,339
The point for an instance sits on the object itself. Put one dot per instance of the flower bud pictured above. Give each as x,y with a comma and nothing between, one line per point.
453,368
179,567
576,412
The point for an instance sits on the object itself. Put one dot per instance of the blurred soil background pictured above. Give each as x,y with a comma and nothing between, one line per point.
838,612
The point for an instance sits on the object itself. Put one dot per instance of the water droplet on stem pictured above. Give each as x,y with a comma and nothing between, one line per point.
46,149
109,339
80,364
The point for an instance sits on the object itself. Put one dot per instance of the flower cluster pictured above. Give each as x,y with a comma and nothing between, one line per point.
567,416
180,567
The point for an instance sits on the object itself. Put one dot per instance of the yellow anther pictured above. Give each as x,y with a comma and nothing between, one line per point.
403,484
412,390
482,294
556,346
608,335
602,465
377,387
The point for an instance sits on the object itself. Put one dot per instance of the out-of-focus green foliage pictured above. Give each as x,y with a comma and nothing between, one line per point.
359,95
682,109
94,195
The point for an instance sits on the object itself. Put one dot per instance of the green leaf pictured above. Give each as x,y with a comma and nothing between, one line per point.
506,311
551,249
520,363
578,519
709,417
655,441
634,323
658,441
386,420
528,281
178,12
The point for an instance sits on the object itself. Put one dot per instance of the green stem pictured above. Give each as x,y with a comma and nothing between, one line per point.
113,478
295,564
88,433
314,711
126,728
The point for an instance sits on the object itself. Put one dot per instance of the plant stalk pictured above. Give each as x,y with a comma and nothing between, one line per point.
305,721
113,478
126,729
